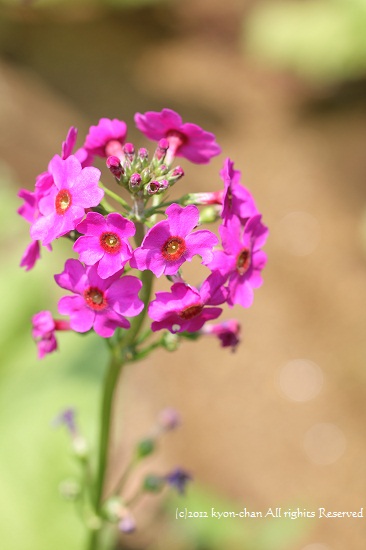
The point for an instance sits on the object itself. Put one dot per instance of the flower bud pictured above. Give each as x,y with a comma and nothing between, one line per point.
114,165
69,489
145,448
80,447
127,524
129,151
135,181
153,484
169,419
146,175
174,175
209,214
170,341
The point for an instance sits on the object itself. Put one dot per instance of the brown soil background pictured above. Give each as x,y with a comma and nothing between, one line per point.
241,434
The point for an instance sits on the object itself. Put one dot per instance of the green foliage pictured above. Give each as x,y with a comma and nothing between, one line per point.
35,458
321,40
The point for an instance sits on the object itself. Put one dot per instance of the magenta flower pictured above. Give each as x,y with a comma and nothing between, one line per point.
184,308
227,332
44,327
241,261
237,200
106,138
170,243
84,157
185,140
29,211
105,242
75,189
98,303
30,255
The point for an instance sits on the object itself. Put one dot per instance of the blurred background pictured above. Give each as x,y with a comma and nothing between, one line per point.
279,423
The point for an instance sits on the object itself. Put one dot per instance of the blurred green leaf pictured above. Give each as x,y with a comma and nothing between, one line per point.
35,457
321,40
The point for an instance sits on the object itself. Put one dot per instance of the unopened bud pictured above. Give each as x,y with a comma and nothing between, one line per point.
112,509
129,151
69,489
175,174
170,341
153,484
143,154
146,175
114,165
135,181
80,447
127,524
145,448
169,419
161,170
210,214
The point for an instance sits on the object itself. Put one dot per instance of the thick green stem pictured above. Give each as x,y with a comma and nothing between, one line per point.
110,382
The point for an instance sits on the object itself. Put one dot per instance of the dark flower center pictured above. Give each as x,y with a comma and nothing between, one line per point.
174,248
190,312
243,261
95,298
178,136
63,201
110,242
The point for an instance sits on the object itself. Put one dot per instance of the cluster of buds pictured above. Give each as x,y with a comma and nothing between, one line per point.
69,200
118,508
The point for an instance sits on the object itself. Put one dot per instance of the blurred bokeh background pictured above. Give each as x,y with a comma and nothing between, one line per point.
279,423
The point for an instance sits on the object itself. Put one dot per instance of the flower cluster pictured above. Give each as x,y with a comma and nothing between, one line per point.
70,201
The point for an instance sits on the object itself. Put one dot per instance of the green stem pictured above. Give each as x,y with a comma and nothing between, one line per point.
114,196
110,382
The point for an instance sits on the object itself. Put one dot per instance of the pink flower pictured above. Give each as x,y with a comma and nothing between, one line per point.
185,308
106,138
170,242
44,327
75,188
185,140
237,200
241,261
105,242
227,332
98,303
84,157
29,211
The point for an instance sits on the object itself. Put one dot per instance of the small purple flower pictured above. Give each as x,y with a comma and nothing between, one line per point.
185,140
75,189
237,200
168,419
170,242
127,524
98,303
43,331
178,479
67,418
227,332
105,242
184,308
106,138
241,261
